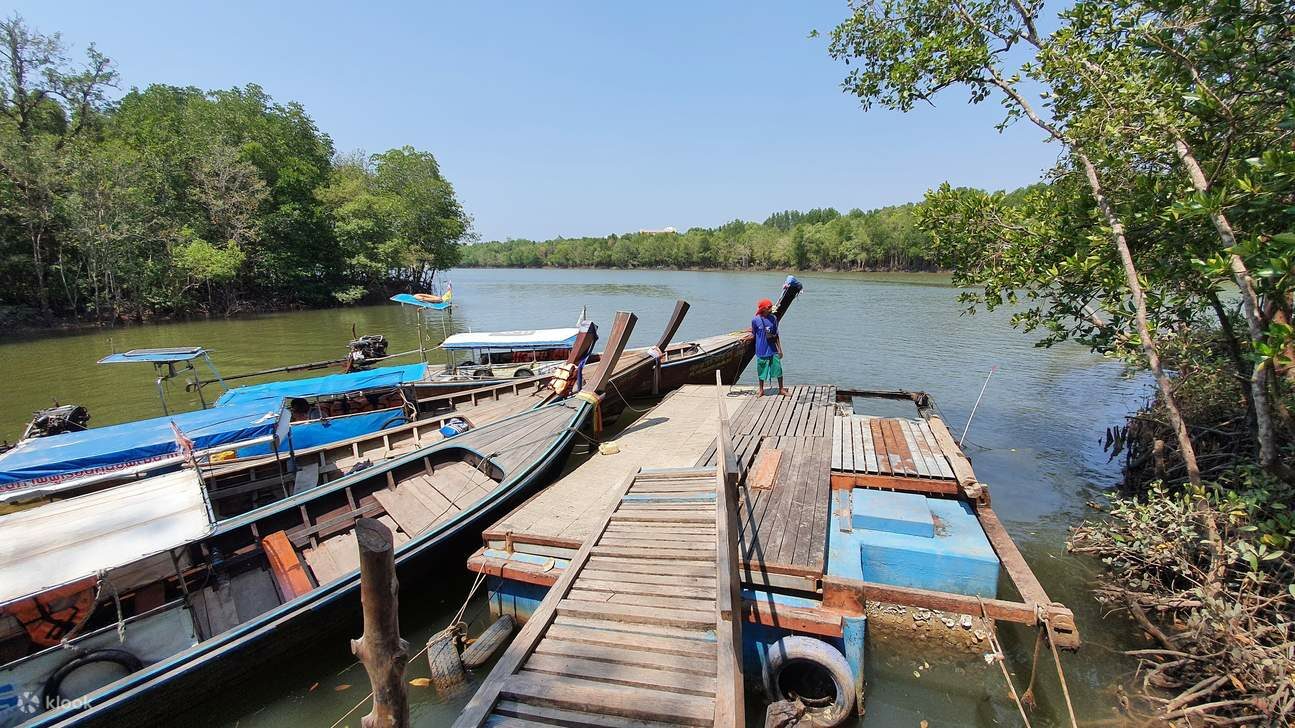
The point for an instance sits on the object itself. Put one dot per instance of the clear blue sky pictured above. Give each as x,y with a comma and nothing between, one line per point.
565,118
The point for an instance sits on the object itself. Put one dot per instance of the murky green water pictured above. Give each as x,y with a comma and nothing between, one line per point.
1034,441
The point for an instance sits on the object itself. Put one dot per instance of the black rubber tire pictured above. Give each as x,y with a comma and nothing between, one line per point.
55,681
523,374
444,663
496,635
797,649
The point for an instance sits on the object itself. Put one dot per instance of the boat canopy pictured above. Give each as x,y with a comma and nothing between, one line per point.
49,461
378,378
408,298
513,340
156,356
67,540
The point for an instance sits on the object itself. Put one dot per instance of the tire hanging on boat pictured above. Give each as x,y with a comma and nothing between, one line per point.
443,659
51,695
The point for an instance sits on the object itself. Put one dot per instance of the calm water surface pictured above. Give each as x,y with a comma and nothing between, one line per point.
1034,441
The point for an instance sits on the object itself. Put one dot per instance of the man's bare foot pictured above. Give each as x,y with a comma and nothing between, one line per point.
759,392
784,391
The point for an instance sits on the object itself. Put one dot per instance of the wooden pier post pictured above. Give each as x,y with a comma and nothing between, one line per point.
380,649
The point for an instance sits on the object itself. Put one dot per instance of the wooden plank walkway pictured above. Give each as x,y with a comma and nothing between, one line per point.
633,630
783,526
896,446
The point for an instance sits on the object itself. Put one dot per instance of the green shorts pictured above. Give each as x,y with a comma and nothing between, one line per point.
768,368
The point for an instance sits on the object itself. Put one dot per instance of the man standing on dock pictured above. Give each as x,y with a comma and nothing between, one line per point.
768,348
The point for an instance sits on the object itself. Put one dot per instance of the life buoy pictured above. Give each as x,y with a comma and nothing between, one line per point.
51,615
51,694
800,669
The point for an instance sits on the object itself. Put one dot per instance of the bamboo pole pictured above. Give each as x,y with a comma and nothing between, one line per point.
380,649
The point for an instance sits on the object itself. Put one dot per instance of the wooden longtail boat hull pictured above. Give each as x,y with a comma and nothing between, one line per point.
162,689
295,562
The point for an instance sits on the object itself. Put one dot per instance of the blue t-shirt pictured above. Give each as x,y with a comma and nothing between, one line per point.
765,330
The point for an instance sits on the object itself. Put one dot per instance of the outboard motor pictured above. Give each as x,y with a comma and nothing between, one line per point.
56,420
366,349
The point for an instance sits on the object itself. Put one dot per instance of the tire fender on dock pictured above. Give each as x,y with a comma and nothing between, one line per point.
495,636
827,664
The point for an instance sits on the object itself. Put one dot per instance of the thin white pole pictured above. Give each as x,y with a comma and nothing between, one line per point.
977,404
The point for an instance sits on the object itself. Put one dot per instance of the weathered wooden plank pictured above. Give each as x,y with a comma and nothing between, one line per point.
636,552
672,601
678,542
571,718
919,460
923,448
688,619
614,639
632,587
619,700
684,683
937,450
631,628
899,447
410,512
863,441
700,581
680,567
667,516
630,657
881,447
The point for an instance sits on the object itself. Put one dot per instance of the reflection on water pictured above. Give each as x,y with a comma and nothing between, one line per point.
1034,441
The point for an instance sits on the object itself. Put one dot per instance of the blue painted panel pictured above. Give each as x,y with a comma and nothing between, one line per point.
957,559
881,510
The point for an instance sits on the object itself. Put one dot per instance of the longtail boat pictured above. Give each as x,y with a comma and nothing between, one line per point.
198,609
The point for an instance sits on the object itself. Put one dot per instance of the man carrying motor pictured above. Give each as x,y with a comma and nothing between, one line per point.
768,348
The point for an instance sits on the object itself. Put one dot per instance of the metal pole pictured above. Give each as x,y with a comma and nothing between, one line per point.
977,404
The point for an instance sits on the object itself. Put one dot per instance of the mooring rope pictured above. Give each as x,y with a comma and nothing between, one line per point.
1000,657
481,577
1061,675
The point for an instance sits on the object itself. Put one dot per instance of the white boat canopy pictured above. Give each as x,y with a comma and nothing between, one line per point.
513,340
61,542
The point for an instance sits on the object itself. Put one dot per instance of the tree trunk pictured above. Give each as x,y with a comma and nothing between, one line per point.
1249,308
380,649
1234,351
1145,337
42,291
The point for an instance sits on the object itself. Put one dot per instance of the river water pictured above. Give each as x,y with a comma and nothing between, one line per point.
1034,440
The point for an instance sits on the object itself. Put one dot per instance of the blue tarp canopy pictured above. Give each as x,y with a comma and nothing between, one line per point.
155,356
321,386
102,450
514,340
409,299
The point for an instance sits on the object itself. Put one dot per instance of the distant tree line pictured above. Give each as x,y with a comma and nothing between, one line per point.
178,201
819,239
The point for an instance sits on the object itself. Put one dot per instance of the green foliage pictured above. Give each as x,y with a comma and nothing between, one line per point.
175,200
820,239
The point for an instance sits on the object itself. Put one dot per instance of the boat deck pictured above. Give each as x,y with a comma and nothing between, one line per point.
633,631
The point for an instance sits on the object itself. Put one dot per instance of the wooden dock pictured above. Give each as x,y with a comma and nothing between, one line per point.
799,458
643,628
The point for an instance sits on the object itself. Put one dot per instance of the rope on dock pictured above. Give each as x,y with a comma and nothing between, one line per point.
1000,657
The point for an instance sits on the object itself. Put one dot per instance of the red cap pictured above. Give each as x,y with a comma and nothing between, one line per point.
763,305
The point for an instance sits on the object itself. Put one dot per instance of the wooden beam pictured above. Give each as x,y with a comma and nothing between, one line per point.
925,486
730,700
850,597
